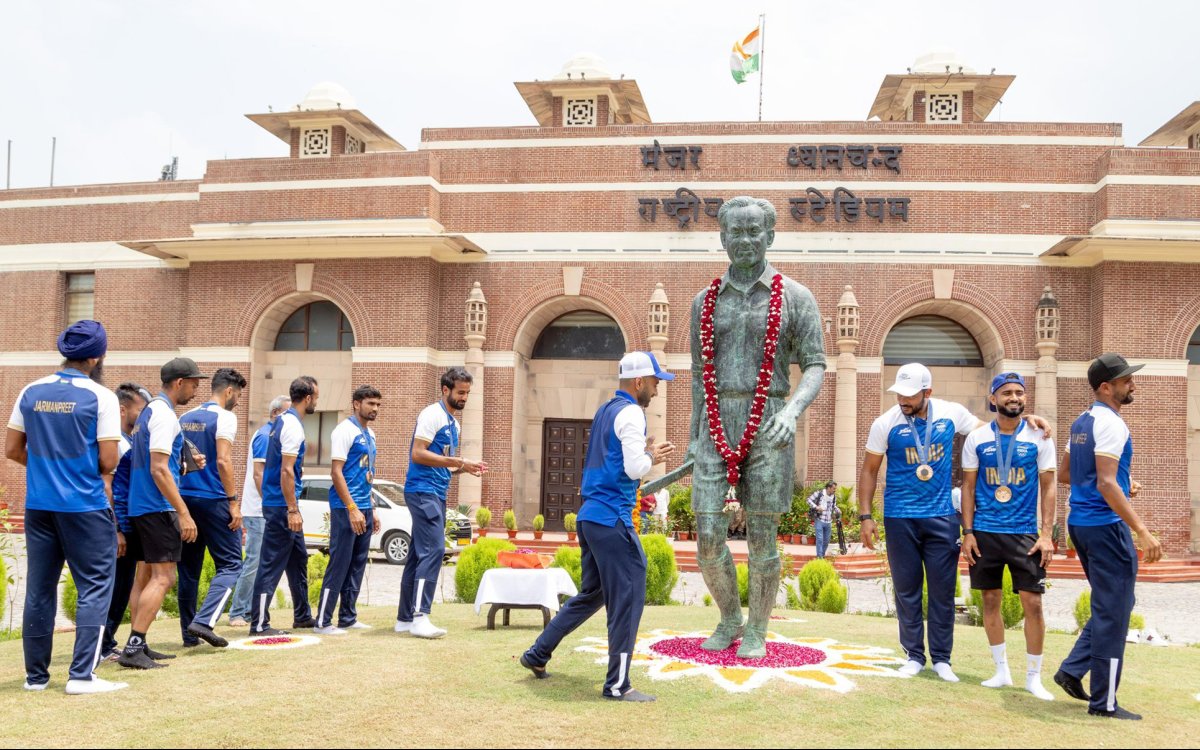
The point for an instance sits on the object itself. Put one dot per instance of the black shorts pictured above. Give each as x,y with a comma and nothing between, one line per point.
998,550
133,545
159,535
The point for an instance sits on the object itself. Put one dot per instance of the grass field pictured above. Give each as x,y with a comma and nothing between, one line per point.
378,689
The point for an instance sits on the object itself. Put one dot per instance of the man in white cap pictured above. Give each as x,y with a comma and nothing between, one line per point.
614,567
917,437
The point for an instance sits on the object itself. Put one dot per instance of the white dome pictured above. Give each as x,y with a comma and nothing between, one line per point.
327,95
584,66
936,62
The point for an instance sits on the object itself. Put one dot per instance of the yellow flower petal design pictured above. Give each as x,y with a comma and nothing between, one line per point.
815,675
857,667
677,666
736,675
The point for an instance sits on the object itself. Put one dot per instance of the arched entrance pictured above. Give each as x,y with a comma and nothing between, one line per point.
303,334
565,367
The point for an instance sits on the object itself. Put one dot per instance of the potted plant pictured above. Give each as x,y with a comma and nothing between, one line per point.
680,512
1055,535
483,517
510,523
569,526
1070,548
805,528
539,523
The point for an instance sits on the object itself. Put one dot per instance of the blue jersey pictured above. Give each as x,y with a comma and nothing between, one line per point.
204,426
1032,454
1099,431
440,429
286,439
608,491
120,485
156,431
905,495
354,446
65,416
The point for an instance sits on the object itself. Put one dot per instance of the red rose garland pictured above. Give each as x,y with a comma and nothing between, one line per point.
734,458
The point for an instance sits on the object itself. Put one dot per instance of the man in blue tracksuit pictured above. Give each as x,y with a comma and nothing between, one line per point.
283,547
64,430
1097,465
432,458
211,498
614,566
351,513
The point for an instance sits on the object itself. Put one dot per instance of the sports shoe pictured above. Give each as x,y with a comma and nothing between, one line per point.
138,660
156,655
303,624
36,686
423,628
356,626
538,672
1151,636
1118,713
110,655
632,696
238,622
402,627
1133,636
206,634
94,685
329,630
268,633
1071,685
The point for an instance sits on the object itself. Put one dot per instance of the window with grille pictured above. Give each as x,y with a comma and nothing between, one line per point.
81,297
317,327
581,335
933,341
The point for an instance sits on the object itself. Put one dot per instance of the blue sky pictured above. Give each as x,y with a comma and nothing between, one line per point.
126,84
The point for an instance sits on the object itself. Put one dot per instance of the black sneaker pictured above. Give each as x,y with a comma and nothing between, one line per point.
1118,713
138,660
632,696
538,672
304,624
1071,685
268,633
156,655
206,634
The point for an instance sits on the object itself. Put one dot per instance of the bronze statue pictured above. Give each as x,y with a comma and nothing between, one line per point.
747,329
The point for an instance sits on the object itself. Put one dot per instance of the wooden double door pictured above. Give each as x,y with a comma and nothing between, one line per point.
564,444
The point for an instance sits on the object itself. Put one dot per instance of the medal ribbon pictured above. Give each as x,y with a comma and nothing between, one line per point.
1004,461
922,450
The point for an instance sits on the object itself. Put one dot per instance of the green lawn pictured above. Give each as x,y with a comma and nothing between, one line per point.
378,689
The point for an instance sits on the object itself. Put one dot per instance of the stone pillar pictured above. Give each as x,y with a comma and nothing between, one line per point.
470,488
845,414
1046,394
659,328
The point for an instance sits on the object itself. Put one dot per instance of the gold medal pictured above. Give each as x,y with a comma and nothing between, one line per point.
1003,493
370,477
924,472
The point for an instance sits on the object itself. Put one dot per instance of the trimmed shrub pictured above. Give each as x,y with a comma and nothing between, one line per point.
661,571
743,582
510,520
1137,622
793,599
679,508
316,576
570,559
569,522
1083,609
708,600
483,517
813,577
475,560
1011,610
833,597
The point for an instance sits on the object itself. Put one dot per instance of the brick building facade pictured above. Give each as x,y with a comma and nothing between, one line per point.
1048,243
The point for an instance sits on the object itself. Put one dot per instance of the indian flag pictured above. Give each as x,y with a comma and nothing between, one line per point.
746,56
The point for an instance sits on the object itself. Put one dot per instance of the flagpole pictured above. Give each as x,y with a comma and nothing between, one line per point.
762,59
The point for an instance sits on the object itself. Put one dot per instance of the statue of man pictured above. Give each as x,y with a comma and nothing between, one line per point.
764,477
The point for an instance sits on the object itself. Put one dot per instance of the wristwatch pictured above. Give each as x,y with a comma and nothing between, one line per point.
865,517
968,531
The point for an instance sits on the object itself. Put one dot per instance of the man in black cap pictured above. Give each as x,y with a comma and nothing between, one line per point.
64,430
159,515
1097,466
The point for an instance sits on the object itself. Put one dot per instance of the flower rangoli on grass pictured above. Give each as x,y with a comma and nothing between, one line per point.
274,642
811,662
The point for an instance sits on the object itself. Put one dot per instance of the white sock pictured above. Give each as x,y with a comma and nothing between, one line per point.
1002,678
911,668
1033,677
943,670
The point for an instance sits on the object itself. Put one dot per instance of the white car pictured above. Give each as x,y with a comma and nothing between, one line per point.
395,533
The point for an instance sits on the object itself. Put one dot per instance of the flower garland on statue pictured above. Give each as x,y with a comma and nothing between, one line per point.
734,457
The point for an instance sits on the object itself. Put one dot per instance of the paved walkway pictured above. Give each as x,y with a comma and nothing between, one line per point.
1171,608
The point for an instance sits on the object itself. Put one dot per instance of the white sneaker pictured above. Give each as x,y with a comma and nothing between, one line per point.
1133,636
330,630
911,668
32,686
943,670
402,627
359,626
423,628
94,685
1151,636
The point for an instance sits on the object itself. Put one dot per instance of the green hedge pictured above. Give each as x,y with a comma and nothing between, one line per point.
316,576
475,560
813,577
743,582
661,570
1083,609
170,605
833,597
570,559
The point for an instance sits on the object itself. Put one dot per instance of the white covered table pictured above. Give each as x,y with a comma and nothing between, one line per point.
508,589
